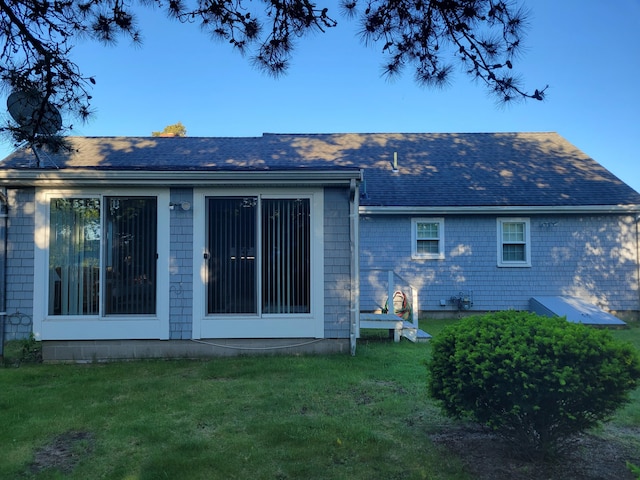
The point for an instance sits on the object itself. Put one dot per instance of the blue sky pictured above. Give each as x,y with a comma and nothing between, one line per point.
588,51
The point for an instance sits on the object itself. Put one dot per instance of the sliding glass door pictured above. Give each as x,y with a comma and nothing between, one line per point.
258,255
102,256
232,255
285,256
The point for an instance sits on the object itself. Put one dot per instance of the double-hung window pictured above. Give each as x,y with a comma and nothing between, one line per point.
427,238
514,242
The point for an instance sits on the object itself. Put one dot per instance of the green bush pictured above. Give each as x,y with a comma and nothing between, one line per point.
634,469
536,380
31,350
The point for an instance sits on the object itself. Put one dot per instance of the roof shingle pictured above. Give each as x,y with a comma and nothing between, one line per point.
433,169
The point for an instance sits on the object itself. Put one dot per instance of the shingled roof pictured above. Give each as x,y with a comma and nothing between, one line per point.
433,169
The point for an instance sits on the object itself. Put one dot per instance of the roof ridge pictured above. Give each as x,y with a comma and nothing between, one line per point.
409,133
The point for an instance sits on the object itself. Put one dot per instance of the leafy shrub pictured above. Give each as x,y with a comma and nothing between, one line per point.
18,352
31,350
536,380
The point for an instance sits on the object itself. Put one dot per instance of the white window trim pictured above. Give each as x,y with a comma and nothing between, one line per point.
309,325
527,227
414,239
94,327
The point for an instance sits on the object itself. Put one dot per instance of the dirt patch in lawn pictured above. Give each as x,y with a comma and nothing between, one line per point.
489,457
63,452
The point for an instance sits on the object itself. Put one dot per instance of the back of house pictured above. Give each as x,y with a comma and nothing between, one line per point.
135,247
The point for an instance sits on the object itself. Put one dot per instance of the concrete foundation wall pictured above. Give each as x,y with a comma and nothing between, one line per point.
112,350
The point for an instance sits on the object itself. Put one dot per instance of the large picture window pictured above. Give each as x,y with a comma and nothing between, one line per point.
102,256
258,255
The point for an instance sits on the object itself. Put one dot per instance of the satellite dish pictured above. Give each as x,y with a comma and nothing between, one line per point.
27,109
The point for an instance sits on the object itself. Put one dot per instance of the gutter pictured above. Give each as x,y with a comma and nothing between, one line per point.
498,210
4,214
638,260
192,178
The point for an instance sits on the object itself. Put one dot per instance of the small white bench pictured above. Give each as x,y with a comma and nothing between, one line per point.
385,321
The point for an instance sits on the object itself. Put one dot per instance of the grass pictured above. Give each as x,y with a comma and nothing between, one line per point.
629,416
316,417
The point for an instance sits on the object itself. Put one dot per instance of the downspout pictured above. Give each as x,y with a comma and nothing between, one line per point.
638,261
4,214
354,240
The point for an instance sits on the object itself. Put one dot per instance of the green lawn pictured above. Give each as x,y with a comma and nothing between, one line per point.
317,417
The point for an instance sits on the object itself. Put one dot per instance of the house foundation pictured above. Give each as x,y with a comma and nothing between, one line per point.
88,351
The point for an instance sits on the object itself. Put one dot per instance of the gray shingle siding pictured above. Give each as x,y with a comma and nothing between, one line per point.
592,256
337,287
19,263
181,266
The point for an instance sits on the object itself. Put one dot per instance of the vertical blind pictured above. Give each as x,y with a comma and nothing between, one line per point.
129,241
231,232
285,256
283,230
130,255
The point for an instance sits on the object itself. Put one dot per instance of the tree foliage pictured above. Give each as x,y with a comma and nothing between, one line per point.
428,36
538,381
175,130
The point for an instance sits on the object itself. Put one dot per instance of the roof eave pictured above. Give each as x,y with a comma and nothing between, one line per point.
498,210
88,177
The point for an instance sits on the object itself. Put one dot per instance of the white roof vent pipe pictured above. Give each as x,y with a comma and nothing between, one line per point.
394,167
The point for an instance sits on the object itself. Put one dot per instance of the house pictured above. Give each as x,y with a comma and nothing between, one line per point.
133,247
485,222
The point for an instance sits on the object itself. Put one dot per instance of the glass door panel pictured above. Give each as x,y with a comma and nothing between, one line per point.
231,255
286,273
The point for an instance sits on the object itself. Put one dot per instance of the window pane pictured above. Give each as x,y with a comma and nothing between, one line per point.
513,232
513,253
286,274
428,246
231,285
130,255
74,256
428,230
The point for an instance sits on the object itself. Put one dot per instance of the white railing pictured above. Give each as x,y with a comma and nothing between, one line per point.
391,289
